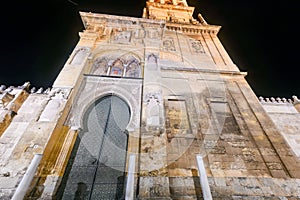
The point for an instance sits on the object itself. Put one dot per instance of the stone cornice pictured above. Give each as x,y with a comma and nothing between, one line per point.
193,29
89,18
168,6
95,19
209,71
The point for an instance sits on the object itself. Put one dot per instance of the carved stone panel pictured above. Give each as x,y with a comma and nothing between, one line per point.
168,44
153,33
152,109
196,46
122,37
152,62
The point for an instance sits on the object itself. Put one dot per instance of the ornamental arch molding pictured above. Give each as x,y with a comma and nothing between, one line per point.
95,88
136,52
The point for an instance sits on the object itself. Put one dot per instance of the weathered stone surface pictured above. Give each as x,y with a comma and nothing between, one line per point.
185,97
287,123
154,187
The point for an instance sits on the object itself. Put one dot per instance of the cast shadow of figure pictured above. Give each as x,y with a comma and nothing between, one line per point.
81,191
197,184
120,188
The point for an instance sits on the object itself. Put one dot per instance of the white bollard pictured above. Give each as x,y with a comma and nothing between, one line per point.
203,179
27,178
130,178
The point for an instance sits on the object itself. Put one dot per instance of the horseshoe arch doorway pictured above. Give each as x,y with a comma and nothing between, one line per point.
96,167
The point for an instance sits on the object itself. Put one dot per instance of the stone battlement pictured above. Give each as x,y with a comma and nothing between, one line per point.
279,100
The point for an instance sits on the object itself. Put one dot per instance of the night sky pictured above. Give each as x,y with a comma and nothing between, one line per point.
261,37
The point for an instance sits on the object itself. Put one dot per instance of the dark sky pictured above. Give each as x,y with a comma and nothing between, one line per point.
260,36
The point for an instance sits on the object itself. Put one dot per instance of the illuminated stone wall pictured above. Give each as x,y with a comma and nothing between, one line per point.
186,97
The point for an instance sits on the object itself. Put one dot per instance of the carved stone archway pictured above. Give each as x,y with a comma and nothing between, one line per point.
96,87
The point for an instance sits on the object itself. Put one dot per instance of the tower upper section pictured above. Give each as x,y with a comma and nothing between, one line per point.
176,11
171,2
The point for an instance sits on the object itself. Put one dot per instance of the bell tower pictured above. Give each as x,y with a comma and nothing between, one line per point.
169,10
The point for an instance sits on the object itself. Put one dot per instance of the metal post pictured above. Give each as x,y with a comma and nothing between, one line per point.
130,178
203,179
27,178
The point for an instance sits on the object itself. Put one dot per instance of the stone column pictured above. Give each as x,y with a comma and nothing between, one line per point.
53,180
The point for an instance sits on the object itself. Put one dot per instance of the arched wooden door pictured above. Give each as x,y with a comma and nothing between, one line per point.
97,164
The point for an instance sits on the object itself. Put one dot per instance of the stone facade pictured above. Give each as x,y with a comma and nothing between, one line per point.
186,98
286,118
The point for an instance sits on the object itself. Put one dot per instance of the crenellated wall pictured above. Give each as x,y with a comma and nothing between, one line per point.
37,115
11,99
286,117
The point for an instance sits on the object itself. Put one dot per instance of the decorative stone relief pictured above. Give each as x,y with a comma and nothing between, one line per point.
121,36
121,29
156,96
139,33
152,62
101,30
196,46
168,45
91,92
153,33
153,101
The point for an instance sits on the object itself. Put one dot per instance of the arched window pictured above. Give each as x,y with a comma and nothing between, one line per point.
100,66
133,69
117,68
123,66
